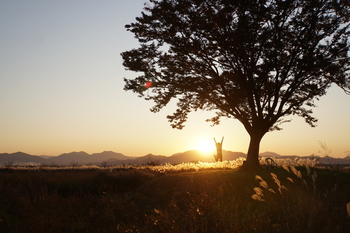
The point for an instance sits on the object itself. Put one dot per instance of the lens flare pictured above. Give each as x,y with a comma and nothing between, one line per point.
205,146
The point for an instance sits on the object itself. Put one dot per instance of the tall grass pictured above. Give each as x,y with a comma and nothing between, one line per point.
304,203
200,197
167,167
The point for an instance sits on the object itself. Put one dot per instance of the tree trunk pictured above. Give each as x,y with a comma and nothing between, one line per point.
253,151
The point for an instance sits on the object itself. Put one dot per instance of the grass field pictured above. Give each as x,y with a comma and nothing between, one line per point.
149,199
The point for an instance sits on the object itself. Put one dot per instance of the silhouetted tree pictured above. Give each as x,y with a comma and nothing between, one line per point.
258,61
74,164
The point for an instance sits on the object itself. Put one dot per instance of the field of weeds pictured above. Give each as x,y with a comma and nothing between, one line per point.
201,197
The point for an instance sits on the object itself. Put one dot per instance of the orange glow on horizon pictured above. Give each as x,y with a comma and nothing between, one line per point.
205,146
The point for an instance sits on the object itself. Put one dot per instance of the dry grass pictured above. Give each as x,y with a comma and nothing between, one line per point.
296,199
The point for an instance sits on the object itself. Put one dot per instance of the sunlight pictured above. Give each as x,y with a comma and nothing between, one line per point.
206,146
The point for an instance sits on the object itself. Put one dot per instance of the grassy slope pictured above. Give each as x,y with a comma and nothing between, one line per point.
147,201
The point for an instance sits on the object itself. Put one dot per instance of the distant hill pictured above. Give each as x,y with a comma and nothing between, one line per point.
20,158
46,156
105,155
85,158
269,154
147,159
184,157
113,158
229,155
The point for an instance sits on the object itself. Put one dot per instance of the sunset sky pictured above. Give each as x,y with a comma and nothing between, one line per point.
61,90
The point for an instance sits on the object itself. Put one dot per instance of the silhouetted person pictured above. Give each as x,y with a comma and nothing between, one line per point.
218,145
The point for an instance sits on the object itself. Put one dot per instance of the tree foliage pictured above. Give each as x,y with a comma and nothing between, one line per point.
258,61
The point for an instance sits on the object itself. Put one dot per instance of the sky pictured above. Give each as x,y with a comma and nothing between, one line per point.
61,90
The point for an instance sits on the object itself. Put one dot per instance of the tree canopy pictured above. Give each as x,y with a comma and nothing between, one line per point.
257,61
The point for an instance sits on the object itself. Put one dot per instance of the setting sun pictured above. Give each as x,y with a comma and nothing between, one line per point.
205,146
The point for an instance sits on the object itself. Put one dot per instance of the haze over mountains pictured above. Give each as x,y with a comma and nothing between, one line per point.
113,158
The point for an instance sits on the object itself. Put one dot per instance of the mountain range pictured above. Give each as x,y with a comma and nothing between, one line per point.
113,158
